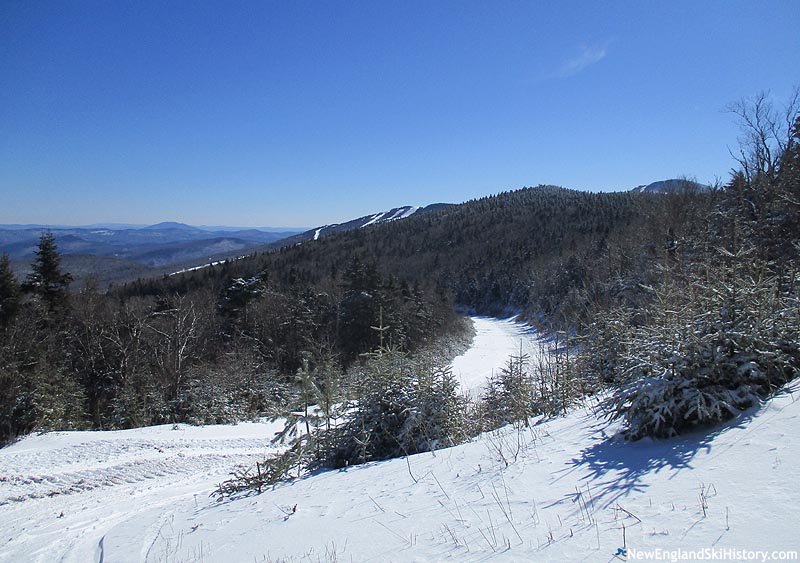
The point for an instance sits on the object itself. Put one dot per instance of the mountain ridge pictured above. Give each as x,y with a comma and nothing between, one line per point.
114,255
673,185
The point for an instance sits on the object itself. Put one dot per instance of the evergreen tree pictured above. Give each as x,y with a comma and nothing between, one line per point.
788,215
360,307
47,280
9,292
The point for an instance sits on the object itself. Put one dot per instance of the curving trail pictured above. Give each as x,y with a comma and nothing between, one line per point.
495,341
561,490
62,493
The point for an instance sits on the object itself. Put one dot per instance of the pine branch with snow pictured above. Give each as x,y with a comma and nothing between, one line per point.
704,360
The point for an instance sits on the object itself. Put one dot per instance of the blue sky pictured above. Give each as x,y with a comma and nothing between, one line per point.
298,113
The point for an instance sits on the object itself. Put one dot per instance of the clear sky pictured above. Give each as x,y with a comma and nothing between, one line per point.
299,113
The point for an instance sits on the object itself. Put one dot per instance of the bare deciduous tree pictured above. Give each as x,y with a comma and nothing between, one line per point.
178,327
766,132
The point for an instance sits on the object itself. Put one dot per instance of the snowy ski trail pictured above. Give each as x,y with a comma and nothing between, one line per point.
496,340
563,490
62,492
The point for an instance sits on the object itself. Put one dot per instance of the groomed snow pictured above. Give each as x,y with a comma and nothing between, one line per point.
374,219
318,231
202,266
496,340
384,217
402,213
562,490
60,492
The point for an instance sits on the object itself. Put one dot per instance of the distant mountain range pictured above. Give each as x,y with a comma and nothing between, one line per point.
156,245
118,253
671,186
124,226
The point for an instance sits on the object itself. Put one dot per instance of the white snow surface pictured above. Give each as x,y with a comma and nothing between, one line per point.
202,266
385,217
404,212
496,340
564,489
374,219
319,231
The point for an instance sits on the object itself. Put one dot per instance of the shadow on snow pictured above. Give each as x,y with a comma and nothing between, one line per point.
615,467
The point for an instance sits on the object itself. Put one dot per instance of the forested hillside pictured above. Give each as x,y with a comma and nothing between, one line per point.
686,302
227,341
546,251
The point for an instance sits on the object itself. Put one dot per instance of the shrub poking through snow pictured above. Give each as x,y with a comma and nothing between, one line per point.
404,406
522,389
400,405
265,473
510,395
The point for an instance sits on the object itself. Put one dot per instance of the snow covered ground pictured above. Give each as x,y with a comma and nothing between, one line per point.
61,492
563,490
496,340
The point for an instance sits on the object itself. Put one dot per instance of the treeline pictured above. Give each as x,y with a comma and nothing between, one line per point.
226,342
226,351
716,329
685,303
548,252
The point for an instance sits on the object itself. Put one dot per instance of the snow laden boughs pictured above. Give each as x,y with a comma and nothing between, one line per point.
510,394
706,353
720,330
235,298
395,405
404,406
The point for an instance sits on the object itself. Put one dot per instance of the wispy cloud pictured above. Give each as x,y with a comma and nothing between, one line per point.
588,56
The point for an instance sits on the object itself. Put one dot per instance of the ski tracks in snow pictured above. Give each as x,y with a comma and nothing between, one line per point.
60,493
111,463
76,497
